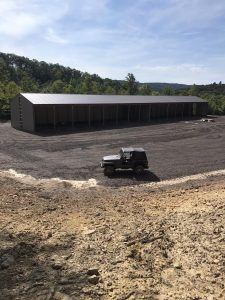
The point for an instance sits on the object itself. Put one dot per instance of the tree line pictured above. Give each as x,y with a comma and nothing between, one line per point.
20,74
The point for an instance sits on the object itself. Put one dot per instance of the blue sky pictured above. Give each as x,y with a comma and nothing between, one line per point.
179,41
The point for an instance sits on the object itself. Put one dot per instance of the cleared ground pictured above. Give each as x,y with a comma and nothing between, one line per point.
173,150
121,238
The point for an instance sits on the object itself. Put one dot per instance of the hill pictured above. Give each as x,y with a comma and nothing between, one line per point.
160,86
21,74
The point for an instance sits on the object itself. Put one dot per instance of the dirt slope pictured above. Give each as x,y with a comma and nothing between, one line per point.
140,242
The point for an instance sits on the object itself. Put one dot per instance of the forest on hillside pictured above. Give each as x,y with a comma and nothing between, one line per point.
20,74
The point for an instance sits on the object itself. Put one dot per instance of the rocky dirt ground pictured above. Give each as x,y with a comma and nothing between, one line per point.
148,241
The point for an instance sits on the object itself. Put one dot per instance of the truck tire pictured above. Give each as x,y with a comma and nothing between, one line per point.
109,171
139,170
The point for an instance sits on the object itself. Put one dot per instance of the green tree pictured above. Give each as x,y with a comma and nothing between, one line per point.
58,86
168,91
216,103
194,90
110,91
86,84
4,71
10,91
28,84
131,84
95,88
2,95
155,93
145,90
69,89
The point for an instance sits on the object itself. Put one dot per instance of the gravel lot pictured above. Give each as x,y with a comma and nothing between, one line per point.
173,149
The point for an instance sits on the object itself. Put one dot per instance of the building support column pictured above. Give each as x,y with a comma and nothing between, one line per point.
34,121
175,112
103,115
72,116
54,117
167,111
183,111
117,111
194,109
149,112
89,116
139,113
128,114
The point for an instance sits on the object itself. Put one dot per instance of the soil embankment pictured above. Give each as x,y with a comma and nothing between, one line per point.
132,242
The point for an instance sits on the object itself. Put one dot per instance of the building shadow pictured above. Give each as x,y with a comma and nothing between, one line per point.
67,130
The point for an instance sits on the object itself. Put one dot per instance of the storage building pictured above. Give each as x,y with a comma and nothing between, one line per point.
33,112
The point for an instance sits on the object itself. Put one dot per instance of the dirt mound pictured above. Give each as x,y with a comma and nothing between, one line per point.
51,182
140,242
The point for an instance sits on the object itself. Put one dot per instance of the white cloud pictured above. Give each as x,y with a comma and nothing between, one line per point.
20,18
196,13
174,68
156,40
89,8
166,15
53,37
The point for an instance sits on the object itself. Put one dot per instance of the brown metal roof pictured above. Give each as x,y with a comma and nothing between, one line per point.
57,99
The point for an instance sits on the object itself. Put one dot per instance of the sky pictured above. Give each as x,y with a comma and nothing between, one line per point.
179,41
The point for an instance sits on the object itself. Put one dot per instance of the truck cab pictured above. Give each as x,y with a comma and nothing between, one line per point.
128,158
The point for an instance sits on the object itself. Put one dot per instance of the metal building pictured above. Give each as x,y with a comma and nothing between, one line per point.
33,112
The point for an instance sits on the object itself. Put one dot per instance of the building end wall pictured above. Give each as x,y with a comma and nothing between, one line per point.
22,114
15,112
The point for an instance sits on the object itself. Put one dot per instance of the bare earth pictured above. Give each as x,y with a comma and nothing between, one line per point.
85,236
136,242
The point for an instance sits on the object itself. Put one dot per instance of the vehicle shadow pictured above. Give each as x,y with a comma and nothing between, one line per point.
147,176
